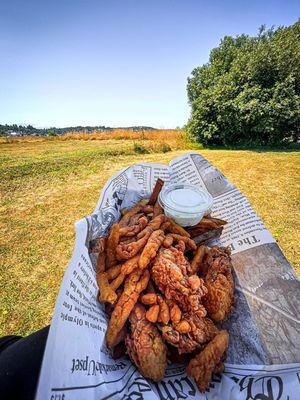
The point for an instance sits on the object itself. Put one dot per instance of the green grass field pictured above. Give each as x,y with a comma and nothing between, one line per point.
47,185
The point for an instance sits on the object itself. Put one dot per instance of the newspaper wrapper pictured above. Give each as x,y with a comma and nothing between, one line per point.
263,360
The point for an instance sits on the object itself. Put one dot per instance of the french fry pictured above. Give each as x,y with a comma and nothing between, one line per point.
188,241
106,290
130,265
132,230
177,229
152,226
212,222
203,237
125,251
165,226
157,209
117,282
168,241
156,190
206,224
106,293
125,220
135,283
181,246
197,259
112,242
113,272
151,248
135,218
117,273
127,240
126,269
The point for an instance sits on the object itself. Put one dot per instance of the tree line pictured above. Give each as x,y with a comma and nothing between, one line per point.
29,130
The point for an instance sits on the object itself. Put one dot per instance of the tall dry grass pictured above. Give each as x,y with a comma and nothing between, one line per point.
126,134
116,134
160,140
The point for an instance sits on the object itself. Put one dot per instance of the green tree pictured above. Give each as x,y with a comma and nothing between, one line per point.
249,91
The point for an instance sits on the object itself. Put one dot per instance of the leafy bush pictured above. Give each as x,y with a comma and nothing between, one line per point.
140,149
165,147
249,91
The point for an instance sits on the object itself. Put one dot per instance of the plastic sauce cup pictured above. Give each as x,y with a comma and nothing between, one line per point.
186,204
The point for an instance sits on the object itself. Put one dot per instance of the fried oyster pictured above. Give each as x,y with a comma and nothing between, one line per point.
145,345
209,360
217,274
169,272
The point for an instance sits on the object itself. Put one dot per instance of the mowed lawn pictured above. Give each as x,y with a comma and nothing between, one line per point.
47,185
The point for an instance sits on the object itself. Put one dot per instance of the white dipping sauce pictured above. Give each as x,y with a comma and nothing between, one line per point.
186,204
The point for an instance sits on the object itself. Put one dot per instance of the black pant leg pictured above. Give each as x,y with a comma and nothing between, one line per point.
20,363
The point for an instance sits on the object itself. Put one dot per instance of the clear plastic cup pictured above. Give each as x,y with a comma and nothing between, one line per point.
186,204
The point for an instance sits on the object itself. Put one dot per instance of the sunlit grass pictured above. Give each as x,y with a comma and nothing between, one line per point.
46,185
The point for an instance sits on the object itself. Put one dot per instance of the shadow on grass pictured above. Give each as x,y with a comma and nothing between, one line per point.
259,149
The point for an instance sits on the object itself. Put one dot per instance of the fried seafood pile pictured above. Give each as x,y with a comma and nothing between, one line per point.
164,293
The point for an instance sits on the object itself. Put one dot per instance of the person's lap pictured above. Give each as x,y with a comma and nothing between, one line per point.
20,363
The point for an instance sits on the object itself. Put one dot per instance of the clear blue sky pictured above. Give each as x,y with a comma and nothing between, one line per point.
116,63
